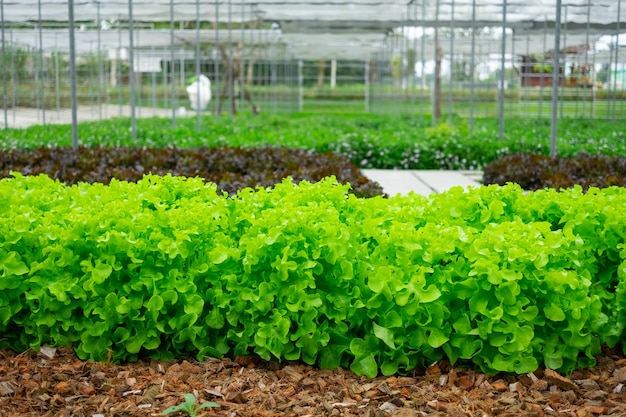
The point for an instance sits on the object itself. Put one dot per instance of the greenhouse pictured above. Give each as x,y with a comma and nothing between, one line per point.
195,217
445,58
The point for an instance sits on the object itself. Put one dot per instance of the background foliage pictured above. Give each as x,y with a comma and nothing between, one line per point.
369,141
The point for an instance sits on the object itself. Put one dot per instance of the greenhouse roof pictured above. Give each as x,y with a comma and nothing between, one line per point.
324,29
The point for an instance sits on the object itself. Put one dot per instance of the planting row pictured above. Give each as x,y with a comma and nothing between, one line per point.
230,168
492,278
369,141
533,172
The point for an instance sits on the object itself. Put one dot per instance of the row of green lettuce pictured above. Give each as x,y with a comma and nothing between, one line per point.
369,141
493,277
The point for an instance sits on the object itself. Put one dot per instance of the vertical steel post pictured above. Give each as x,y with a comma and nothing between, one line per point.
231,82
242,61
99,60
70,6
41,69
131,70
436,91
502,77
617,29
555,78
586,77
423,54
545,34
172,65
198,70
217,60
563,89
5,89
412,69
119,68
472,69
451,63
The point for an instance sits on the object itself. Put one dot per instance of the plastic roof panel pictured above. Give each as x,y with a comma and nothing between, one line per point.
320,29
602,12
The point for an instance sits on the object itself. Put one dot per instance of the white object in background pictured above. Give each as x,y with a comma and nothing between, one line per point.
181,112
199,92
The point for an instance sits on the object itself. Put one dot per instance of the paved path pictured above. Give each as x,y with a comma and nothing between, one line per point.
422,182
23,117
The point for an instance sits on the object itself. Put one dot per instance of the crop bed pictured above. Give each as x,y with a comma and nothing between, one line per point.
47,381
231,168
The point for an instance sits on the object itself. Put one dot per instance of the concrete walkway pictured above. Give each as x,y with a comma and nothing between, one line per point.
422,182
24,117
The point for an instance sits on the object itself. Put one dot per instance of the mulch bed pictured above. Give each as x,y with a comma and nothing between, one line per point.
54,382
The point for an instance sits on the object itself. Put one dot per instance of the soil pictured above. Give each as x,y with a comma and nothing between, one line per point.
54,382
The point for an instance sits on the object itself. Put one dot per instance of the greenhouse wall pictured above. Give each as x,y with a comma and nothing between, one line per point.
419,59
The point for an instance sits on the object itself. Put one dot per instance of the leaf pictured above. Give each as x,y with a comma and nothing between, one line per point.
526,364
208,404
11,265
331,355
215,320
437,337
554,312
365,365
218,255
364,351
507,292
377,281
384,334
155,304
429,294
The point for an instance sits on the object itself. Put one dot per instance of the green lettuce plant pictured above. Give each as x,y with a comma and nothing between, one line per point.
493,278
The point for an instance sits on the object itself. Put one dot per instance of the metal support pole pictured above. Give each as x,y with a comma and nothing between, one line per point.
131,70
617,29
555,78
231,81
451,63
586,76
172,65
217,60
563,90
436,91
251,64
412,69
423,71
545,31
120,97
70,6
41,69
502,77
13,80
99,60
472,69
198,71
5,89
242,61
